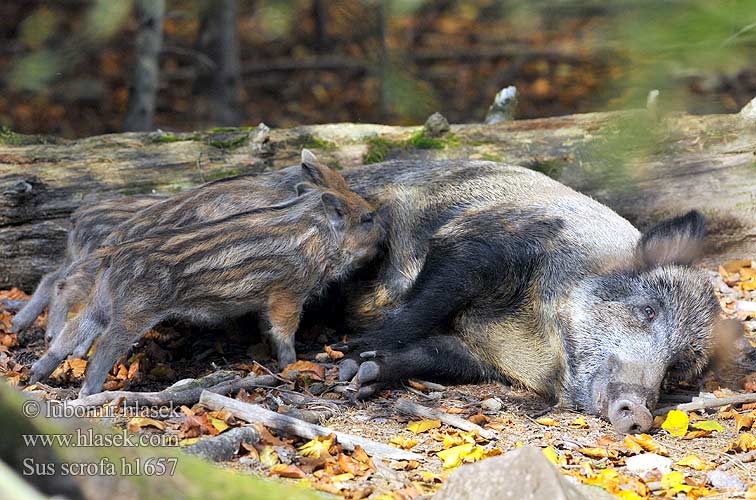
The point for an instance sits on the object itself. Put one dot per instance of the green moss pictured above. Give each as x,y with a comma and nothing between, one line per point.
7,136
229,142
175,138
552,168
378,148
310,142
490,157
220,174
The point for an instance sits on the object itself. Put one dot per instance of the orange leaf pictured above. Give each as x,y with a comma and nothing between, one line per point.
284,470
306,368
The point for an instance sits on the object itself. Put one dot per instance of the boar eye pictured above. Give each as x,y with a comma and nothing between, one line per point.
366,219
649,312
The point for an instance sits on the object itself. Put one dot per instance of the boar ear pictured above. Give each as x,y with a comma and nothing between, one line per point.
304,187
313,170
672,241
335,209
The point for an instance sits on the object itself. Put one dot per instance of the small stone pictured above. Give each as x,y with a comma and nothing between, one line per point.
724,481
642,464
322,357
745,306
749,110
436,125
260,143
503,107
492,404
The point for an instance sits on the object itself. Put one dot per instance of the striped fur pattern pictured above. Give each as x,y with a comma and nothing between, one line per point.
270,260
91,225
210,201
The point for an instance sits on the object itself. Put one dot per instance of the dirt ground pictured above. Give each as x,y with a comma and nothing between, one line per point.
584,447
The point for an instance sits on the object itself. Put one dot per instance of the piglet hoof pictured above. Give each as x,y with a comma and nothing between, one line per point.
43,367
348,369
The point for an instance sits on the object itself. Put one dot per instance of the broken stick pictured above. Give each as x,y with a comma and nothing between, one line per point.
256,413
408,407
186,394
704,403
224,446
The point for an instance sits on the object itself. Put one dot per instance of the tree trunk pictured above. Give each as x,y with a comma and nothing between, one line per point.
141,106
703,162
218,39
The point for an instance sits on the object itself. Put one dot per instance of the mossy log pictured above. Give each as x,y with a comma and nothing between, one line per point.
641,167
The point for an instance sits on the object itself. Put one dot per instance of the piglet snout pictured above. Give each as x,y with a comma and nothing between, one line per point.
629,417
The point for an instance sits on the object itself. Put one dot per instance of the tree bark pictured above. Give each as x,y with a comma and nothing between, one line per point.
141,106
702,162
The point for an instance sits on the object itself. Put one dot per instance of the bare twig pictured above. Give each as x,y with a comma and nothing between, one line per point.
256,413
704,403
175,396
410,408
224,446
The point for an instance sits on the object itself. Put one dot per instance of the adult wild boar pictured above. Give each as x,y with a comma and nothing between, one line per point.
496,272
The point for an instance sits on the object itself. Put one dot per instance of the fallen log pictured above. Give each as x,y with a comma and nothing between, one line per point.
642,168
223,447
256,413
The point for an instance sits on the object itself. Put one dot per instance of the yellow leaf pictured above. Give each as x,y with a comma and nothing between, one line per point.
673,481
708,425
420,426
645,442
137,423
578,423
746,442
697,434
551,455
188,441
694,462
547,421
219,424
628,495
453,456
457,438
291,471
676,423
268,456
599,452
338,478
751,493
402,442
743,421
317,447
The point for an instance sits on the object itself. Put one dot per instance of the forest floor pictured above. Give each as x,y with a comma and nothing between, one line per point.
710,450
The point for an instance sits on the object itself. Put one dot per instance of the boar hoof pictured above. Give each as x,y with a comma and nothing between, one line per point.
42,368
368,377
629,417
348,369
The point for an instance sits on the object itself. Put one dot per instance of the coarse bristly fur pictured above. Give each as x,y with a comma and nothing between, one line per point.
498,272
210,201
91,225
272,260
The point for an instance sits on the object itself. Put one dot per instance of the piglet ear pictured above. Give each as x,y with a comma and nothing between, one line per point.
312,169
672,241
304,187
335,209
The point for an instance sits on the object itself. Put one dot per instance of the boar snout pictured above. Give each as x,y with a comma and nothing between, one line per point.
629,417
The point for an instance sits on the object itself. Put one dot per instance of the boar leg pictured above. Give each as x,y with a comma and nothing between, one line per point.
443,357
37,303
283,314
66,295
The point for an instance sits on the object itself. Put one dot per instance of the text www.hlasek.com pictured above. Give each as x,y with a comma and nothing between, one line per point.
88,438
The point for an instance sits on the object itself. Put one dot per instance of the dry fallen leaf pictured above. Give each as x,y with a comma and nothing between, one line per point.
307,369
420,426
578,423
137,423
599,453
676,423
547,421
402,442
317,447
283,470
694,462
708,425
640,442
268,456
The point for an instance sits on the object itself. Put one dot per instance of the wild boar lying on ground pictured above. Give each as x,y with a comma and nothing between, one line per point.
270,260
207,202
495,272
91,225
